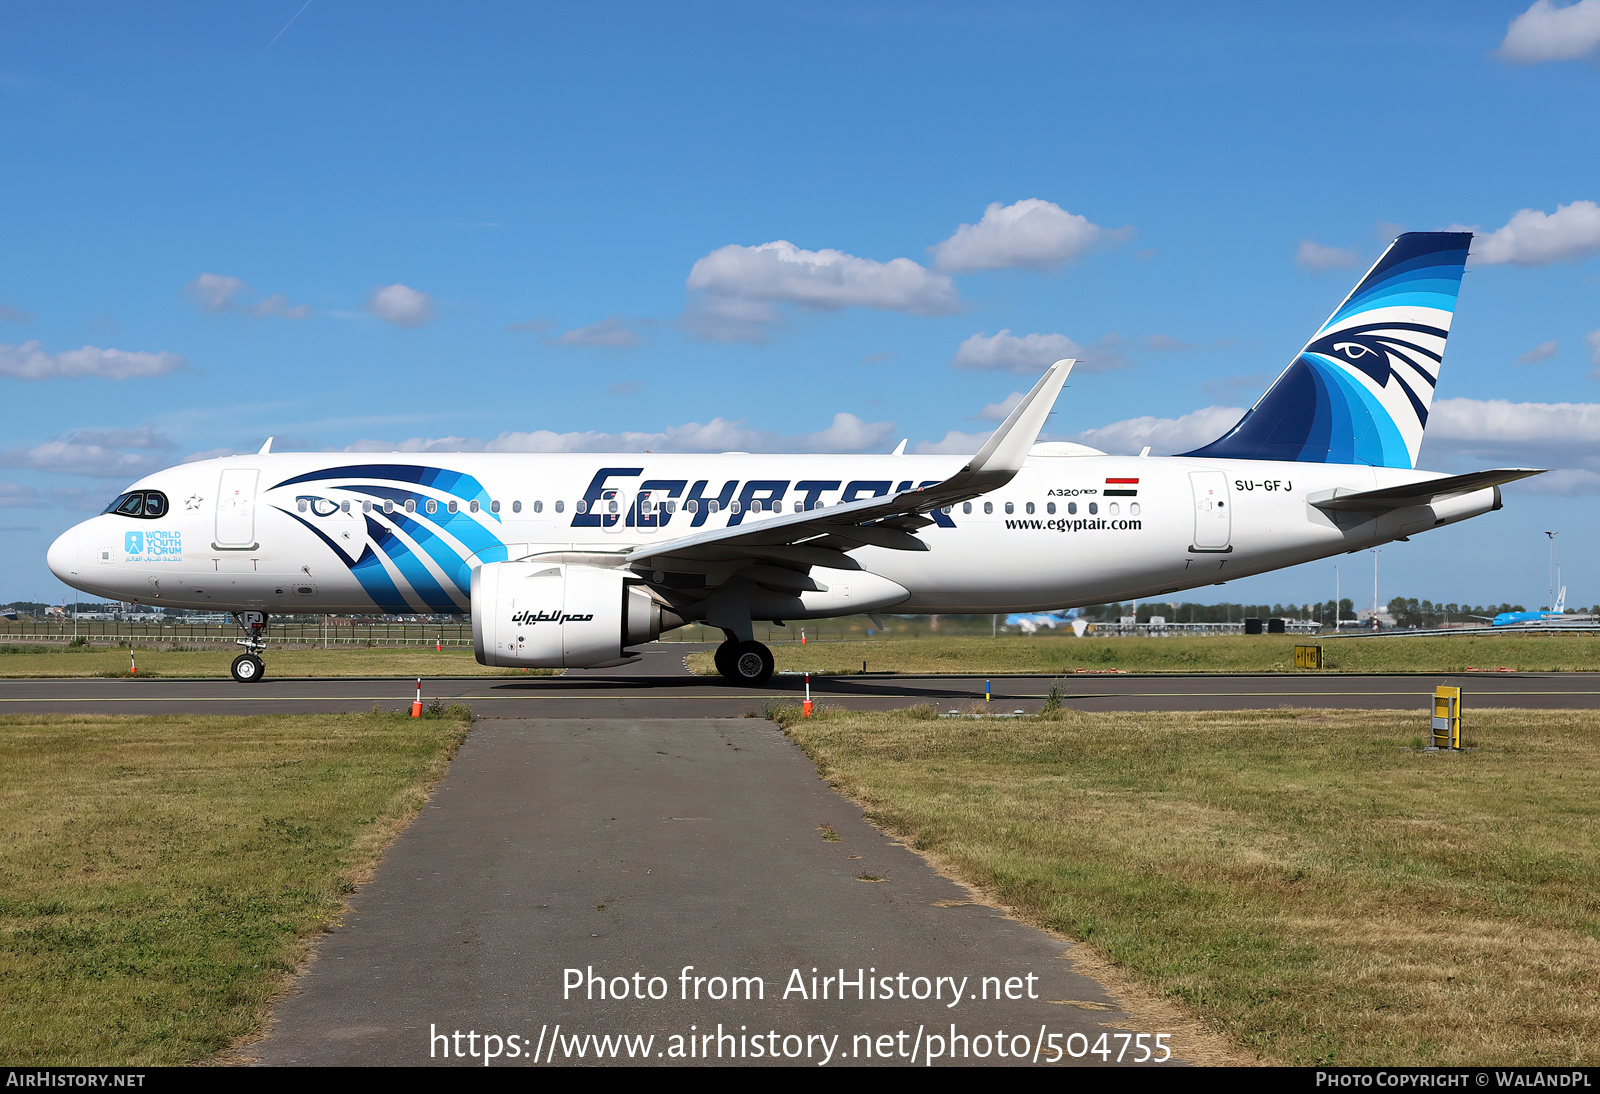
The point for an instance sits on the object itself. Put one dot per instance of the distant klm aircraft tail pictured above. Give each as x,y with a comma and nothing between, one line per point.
1359,391
1561,601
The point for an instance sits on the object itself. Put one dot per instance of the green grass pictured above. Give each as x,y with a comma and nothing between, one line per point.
1310,882
40,661
1264,653
160,878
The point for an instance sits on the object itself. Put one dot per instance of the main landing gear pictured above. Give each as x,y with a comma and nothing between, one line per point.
248,668
748,663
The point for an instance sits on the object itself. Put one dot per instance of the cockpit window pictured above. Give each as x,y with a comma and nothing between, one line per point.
147,504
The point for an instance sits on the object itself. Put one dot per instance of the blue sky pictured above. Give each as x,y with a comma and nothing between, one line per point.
540,226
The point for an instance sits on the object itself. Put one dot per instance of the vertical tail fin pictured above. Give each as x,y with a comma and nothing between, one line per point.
1360,390
1561,601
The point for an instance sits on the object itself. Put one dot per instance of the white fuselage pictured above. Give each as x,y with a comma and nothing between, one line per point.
301,532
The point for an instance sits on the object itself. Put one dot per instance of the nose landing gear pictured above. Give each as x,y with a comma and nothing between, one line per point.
248,668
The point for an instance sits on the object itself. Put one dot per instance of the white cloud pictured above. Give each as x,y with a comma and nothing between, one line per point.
15,315
143,437
1542,352
612,332
737,289
1033,352
955,443
1563,482
1316,258
1164,435
996,412
1532,238
74,458
847,433
16,496
29,362
1228,387
1167,343
1496,432
217,293
401,305
210,454
1030,233
1547,33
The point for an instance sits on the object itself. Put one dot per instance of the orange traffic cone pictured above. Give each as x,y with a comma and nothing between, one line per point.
416,707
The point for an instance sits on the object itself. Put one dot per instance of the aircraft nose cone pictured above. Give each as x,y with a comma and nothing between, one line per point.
63,556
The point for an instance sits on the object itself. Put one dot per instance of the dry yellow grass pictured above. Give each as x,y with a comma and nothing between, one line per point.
55,662
1310,882
1058,654
160,878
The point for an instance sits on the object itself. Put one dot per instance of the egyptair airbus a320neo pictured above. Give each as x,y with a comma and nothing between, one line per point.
572,560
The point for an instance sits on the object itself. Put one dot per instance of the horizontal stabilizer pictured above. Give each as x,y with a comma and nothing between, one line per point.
1421,493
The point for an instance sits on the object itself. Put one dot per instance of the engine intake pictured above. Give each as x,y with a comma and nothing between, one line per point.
558,615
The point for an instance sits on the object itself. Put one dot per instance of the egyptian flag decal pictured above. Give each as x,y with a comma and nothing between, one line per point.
1120,488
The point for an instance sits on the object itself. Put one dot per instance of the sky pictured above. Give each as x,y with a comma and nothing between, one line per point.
784,227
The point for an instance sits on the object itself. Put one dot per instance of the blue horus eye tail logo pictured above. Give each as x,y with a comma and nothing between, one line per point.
1360,390
133,543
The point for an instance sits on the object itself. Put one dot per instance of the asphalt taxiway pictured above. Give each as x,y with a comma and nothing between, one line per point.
564,862
659,686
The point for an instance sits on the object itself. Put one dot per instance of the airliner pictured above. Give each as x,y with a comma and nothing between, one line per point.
1511,619
575,560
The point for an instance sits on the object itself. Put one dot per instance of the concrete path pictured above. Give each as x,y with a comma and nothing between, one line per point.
667,859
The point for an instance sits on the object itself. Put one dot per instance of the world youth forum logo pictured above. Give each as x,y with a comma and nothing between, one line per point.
133,543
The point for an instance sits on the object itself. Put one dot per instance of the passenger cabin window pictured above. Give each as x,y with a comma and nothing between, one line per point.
344,507
560,505
302,505
388,507
988,507
1029,508
516,507
366,507
966,507
1010,509
411,505
1093,508
472,507
494,507
1072,507
1050,507
452,506
431,506
581,507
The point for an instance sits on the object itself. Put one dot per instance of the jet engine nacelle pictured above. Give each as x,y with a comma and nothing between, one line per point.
559,615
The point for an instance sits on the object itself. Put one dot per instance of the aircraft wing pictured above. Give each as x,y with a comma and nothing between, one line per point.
1421,493
822,537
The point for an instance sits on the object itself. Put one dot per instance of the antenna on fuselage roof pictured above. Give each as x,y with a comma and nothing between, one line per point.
266,449
900,449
